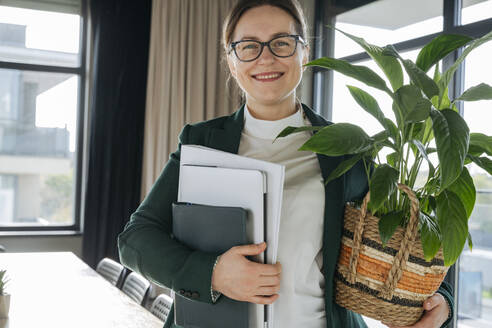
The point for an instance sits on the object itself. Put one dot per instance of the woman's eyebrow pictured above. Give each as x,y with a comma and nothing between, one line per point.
250,37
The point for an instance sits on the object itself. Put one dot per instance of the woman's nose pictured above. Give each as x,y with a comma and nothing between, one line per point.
266,55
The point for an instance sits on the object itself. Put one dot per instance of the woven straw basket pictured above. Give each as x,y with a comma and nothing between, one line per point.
388,283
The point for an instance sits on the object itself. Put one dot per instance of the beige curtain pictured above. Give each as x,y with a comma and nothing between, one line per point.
187,78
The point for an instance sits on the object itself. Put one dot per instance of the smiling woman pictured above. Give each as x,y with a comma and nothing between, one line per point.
266,48
268,77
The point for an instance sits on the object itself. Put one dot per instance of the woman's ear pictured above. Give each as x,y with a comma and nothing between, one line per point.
305,57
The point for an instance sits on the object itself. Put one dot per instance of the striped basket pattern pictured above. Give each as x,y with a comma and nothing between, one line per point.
387,283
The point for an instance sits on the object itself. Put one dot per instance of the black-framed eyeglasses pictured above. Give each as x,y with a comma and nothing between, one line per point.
281,46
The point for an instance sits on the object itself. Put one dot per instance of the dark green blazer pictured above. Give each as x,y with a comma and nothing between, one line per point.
146,245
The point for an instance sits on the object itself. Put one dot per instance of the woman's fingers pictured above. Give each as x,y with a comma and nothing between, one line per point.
263,299
251,249
268,290
269,280
267,269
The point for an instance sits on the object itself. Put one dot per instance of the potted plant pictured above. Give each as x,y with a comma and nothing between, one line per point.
4,297
399,242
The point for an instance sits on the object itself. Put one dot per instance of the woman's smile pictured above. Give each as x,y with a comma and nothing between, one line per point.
268,76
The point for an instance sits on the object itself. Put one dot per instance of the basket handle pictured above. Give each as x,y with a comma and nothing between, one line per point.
400,260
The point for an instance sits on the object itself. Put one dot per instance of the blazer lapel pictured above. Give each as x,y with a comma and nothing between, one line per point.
228,138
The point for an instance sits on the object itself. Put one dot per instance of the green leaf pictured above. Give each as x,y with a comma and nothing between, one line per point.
439,48
452,138
383,183
398,112
482,91
420,112
470,241
464,188
421,149
368,103
453,225
388,224
417,76
361,73
292,129
484,162
481,144
428,134
424,82
392,130
339,139
418,131
446,77
380,137
414,108
390,65
392,159
437,74
430,236
343,167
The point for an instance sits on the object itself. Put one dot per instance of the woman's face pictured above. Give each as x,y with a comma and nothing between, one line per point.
264,23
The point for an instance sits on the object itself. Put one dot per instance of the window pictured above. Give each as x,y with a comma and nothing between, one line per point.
475,281
387,22
409,28
475,10
41,79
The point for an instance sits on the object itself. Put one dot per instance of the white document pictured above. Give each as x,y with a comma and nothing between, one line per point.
218,186
200,155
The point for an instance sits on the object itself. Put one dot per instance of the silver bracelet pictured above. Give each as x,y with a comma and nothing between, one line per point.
214,294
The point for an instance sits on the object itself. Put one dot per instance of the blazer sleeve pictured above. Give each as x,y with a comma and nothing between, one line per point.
447,291
147,246
356,187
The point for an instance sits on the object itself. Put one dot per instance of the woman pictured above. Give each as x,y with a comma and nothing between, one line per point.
265,44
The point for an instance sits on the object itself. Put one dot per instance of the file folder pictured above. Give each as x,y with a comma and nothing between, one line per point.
210,229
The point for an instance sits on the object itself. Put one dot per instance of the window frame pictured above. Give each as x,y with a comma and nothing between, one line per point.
324,47
80,71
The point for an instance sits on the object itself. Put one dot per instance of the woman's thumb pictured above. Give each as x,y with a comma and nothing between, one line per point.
252,249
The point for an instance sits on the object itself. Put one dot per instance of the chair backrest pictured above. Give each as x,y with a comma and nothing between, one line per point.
136,287
110,270
161,306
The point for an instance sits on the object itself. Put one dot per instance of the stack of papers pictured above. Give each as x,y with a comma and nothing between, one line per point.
213,177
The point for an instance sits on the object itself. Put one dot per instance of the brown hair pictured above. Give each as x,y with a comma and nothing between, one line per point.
290,6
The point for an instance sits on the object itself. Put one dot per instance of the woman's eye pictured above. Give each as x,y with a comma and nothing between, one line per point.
249,46
278,44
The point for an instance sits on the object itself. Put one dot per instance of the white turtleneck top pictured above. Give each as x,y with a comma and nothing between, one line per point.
301,297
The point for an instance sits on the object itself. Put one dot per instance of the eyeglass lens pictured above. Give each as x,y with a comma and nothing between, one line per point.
281,47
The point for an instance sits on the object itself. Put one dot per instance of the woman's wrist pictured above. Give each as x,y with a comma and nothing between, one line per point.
214,294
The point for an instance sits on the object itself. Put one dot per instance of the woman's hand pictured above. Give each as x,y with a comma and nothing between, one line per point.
436,313
243,280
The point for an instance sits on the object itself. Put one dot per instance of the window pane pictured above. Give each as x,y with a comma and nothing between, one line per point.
400,21
37,145
475,285
39,37
475,10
